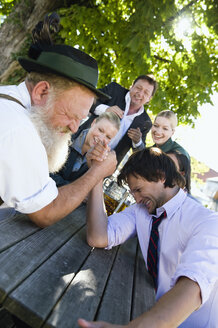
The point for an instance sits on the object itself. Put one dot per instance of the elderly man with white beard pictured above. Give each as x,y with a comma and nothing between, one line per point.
37,118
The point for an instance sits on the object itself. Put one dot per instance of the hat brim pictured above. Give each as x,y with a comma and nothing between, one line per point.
31,65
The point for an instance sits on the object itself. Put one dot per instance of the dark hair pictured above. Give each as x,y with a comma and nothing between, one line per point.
150,79
184,168
153,165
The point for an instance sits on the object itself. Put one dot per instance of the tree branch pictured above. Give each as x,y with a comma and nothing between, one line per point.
162,59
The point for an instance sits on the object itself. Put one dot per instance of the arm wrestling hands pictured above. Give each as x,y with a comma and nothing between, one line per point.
102,163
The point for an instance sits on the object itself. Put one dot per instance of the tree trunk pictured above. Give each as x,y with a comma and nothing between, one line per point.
19,24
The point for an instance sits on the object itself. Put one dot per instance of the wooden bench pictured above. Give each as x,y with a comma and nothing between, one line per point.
50,277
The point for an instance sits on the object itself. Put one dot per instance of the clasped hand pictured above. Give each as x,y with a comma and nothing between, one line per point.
103,158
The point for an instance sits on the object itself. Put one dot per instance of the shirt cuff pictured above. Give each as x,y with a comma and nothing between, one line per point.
135,145
205,286
41,199
100,109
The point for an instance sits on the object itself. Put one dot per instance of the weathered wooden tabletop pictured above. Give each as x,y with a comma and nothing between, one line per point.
50,277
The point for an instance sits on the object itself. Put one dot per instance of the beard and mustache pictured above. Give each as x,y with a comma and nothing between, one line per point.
55,140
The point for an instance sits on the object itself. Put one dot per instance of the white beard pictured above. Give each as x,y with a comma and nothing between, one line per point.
56,143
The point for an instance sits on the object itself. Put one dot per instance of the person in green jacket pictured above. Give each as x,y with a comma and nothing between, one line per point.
162,130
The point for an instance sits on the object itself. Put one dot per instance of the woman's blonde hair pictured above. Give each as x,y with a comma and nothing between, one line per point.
170,115
111,117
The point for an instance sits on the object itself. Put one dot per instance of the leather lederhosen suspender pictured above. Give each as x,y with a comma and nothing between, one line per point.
2,95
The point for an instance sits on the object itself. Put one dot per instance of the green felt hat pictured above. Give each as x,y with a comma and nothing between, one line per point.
65,61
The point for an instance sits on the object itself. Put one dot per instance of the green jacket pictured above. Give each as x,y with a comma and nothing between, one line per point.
171,145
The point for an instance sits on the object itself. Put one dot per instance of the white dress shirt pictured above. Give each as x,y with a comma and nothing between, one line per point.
125,122
188,247
25,184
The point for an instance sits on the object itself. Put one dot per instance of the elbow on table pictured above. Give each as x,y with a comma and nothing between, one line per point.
97,242
41,222
46,216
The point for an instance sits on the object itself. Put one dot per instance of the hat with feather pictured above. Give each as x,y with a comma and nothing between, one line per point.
64,60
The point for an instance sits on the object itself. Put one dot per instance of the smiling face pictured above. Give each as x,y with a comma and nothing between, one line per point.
70,107
161,130
140,93
151,194
102,131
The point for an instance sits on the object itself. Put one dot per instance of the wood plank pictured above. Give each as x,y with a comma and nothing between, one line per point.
33,300
19,261
144,293
117,299
84,294
14,229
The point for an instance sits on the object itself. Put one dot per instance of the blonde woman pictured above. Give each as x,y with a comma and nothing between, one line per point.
103,129
162,131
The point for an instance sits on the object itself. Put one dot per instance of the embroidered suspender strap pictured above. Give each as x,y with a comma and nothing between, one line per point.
2,95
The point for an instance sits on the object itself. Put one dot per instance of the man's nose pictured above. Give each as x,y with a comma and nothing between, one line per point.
137,197
74,125
140,92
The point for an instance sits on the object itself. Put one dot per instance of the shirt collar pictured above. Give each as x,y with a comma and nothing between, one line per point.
79,141
173,204
23,95
128,99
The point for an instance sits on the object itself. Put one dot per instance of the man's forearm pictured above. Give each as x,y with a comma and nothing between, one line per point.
69,198
173,307
96,218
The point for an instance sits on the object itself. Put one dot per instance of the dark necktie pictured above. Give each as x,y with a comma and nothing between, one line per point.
152,255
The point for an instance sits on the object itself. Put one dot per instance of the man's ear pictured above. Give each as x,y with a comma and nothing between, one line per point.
173,131
39,93
149,100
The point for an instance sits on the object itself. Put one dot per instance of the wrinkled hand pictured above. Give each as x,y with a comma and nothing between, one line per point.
115,109
99,152
101,158
100,324
135,135
106,167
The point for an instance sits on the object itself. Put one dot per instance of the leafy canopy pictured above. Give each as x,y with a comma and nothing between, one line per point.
129,38
175,40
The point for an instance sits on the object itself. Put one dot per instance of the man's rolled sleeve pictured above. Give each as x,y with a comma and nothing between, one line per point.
39,200
199,261
24,175
121,226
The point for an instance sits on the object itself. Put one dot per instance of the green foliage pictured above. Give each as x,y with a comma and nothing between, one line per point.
6,6
129,38
198,168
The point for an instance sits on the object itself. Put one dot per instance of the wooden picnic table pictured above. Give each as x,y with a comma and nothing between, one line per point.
50,277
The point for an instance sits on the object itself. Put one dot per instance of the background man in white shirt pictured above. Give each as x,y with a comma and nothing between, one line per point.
37,118
129,106
187,270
